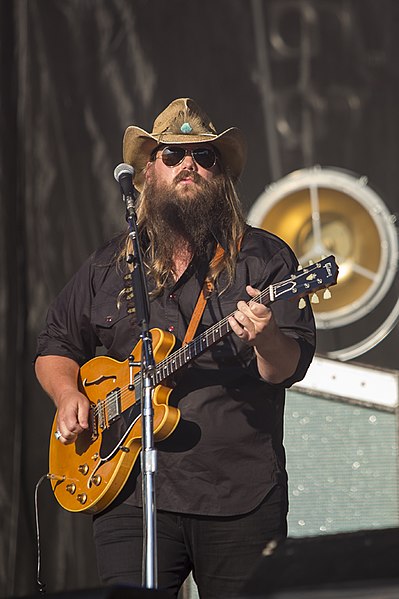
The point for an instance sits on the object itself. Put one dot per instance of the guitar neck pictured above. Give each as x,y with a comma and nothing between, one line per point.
201,343
310,279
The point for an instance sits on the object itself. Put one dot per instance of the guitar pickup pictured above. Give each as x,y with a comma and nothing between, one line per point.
113,405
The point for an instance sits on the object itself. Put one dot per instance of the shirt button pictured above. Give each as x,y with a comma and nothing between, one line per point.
108,319
172,296
171,328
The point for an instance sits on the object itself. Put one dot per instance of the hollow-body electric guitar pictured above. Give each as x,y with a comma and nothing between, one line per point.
88,474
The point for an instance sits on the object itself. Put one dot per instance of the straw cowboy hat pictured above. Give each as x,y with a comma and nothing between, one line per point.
183,122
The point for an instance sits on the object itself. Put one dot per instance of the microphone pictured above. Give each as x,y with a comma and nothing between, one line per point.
123,173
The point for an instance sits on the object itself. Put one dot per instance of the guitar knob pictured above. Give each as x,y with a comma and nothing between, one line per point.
82,498
71,488
83,468
96,480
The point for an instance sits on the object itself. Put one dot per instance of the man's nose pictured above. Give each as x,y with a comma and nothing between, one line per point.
189,162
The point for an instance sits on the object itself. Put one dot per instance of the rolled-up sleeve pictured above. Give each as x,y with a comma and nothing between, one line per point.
68,331
292,321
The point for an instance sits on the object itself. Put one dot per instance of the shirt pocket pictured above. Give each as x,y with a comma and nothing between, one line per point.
115,329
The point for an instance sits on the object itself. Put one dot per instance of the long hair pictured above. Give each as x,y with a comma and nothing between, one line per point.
233,226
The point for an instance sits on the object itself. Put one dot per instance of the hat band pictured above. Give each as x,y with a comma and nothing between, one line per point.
182,137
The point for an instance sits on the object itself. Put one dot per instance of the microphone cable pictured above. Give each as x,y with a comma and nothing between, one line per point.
41,585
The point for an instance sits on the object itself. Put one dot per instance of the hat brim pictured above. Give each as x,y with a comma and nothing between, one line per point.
139,144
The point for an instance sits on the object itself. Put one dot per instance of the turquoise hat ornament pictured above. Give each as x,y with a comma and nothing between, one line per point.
186,128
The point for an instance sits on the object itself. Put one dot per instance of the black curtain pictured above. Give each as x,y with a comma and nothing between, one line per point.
74,74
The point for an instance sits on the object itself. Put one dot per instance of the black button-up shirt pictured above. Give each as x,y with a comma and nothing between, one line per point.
227,450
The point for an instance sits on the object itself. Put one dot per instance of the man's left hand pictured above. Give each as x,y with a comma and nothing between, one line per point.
251,322
277,354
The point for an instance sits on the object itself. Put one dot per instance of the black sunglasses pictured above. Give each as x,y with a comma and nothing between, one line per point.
174,155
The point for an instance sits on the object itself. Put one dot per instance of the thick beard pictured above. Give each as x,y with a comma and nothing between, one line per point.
185,216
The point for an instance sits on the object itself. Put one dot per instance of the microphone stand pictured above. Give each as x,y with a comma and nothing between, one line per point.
148,452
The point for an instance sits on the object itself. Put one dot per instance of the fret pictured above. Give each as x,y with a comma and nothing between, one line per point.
225,328
187,352
162,371
207,341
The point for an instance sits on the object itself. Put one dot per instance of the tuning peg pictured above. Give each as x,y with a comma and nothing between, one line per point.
301,303
314,299
310,262
327,294
300,267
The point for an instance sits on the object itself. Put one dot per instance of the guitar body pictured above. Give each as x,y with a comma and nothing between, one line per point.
88,474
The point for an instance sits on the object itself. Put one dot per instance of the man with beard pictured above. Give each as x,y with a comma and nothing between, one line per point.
221,485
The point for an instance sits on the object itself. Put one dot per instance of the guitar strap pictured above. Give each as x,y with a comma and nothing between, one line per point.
202,298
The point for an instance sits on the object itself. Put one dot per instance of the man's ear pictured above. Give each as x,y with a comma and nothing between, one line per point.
147,169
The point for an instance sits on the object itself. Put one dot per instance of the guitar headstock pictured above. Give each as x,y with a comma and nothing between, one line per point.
308,280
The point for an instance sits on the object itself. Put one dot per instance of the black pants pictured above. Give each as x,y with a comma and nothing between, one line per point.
220,551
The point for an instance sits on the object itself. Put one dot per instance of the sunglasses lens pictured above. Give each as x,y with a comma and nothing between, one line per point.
172,155
205,157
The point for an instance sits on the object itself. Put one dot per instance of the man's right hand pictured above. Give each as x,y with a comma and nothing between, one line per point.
72,416
58,375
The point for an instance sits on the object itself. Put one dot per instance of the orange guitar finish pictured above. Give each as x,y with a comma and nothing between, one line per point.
82,481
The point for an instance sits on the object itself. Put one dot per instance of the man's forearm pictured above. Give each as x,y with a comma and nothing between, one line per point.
279,359
57,375
59,378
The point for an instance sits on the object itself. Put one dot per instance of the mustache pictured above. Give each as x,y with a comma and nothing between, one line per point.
186,174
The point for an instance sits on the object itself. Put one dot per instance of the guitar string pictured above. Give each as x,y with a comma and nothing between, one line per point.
103,405
172,359
260,298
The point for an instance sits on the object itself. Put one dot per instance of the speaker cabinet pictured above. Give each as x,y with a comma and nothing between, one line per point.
341,440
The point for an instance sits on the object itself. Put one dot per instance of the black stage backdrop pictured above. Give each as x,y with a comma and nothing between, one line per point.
74,74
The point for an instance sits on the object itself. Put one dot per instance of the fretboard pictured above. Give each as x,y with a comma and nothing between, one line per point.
314,277
201,343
